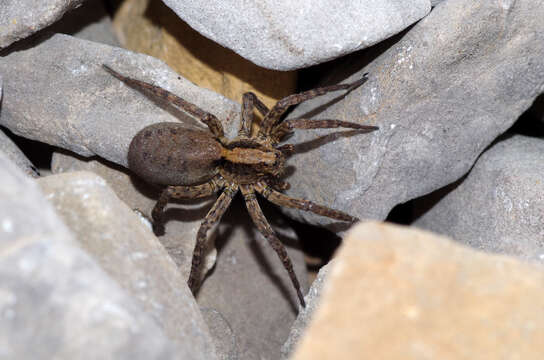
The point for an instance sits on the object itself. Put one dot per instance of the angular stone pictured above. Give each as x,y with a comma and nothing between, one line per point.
22,18
305,315
182,219
249,286
57,92
150,27
13,153
401,293
441,95
127,250
499,207
55,300
289,35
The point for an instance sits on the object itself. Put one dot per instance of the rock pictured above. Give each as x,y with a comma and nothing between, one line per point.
440,95
296,34
22,18
150,27
305,315
400,293
499,207
223,335
90,22
182,219
88,111
12,151
14,154
249,286
127,250
55,300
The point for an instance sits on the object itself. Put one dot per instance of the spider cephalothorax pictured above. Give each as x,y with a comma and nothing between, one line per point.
197,163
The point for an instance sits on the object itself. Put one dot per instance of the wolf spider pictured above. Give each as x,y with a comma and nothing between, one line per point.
198,163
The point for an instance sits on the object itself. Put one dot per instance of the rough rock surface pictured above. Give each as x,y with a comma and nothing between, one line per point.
152,28
452,84
55,301
250,287
294,34
499,207
22,18
12,152
127,250
78,106
182,218
305,315
400,293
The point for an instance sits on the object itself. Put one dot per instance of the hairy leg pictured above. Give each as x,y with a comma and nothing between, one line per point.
249,101
282,105
210,120
213,216
280,130
182,192
283,200
264,227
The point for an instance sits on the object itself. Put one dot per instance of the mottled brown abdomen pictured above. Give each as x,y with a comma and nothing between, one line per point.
170,154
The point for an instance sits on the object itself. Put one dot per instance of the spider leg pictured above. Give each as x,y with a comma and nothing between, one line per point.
264,228
182,192
210,120
249,101
282,105
280,199
280,130
213,216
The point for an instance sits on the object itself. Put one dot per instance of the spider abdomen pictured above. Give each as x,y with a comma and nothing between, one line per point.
170,154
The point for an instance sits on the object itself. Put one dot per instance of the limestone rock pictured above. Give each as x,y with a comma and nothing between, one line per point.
400,293
13,153
294,34
182,218
499,207
127,250
56,91
22,18
249,286
55,301
152,28
440,95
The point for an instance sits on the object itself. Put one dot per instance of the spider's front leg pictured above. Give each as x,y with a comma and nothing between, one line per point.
181,192
280,130
210,120
249,101
280,199
264,228
273,116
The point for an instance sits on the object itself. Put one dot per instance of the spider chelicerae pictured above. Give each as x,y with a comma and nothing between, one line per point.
193,164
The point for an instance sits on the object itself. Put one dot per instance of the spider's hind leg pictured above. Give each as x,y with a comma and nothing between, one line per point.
264,228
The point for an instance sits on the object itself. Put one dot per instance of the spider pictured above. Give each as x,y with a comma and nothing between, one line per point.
192,164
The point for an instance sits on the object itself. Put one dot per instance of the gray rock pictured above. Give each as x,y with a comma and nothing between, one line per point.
127,250
90,22
499,207
22,18
452,84
249,286
57,92
223,335
13,153
55,301
305,315
289,35
182,219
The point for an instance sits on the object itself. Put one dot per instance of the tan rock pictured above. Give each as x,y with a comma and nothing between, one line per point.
401,293
152,28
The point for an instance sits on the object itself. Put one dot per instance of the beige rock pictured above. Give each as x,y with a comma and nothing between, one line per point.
152,28
129,252
400,293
